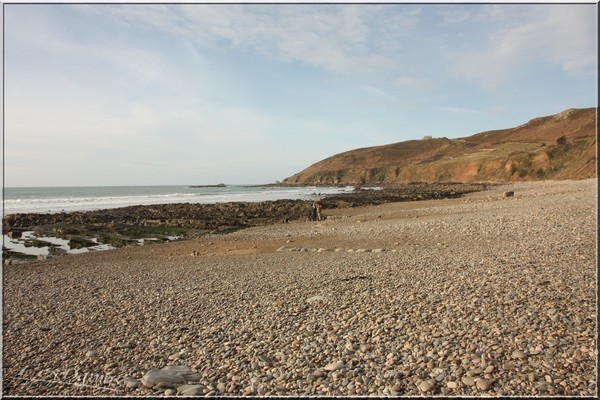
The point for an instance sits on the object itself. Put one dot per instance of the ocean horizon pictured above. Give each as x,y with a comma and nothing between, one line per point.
88,198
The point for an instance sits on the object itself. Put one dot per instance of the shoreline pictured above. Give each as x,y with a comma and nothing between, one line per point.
478,295
118,227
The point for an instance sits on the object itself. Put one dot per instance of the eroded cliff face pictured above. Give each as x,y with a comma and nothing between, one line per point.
561,146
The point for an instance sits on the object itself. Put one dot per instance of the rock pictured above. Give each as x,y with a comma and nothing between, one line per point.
170,376
425,386
441,376
131,383
334,366
350,347
191,390
518,354
315,299
508,366
482,384
91,353
78,242
265,359
319,373
509,194
468,380
56,251
365,347
14,234
452,385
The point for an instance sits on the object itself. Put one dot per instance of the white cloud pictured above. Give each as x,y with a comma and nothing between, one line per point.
456,16
378,93
392,26
164,90
573,38
457,110
411,83
337,38
563,35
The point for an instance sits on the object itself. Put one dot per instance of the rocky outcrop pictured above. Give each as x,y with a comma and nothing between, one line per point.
120,225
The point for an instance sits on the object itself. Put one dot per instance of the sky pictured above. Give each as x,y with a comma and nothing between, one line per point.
183,94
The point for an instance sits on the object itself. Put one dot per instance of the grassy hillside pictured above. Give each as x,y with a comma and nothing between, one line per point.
561,146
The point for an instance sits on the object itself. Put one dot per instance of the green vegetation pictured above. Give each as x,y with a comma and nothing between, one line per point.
530,151
559,154
522,164
17,255
561,141
166,231
78,242
36,243
229,229
113,240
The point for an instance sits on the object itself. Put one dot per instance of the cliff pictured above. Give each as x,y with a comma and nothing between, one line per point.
561,146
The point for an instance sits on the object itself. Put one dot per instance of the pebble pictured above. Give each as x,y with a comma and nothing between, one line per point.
508,366
131,383
319,373
334,366
425,386
315,299
470,318
518,354
482,384
468,380
191,390
91,353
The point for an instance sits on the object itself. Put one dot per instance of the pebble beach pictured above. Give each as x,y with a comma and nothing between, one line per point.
479,295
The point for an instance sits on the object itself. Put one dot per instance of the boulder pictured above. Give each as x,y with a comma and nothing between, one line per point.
14,234
171,376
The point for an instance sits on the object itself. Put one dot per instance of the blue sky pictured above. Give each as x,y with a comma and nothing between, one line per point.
163,94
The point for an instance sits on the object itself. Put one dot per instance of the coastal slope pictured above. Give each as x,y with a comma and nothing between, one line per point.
560,146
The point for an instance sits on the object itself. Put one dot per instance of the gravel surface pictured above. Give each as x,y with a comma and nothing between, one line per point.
479,295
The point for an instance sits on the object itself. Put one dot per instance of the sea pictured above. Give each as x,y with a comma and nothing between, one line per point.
87,198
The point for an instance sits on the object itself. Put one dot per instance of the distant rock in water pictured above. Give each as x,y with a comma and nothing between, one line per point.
220,185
